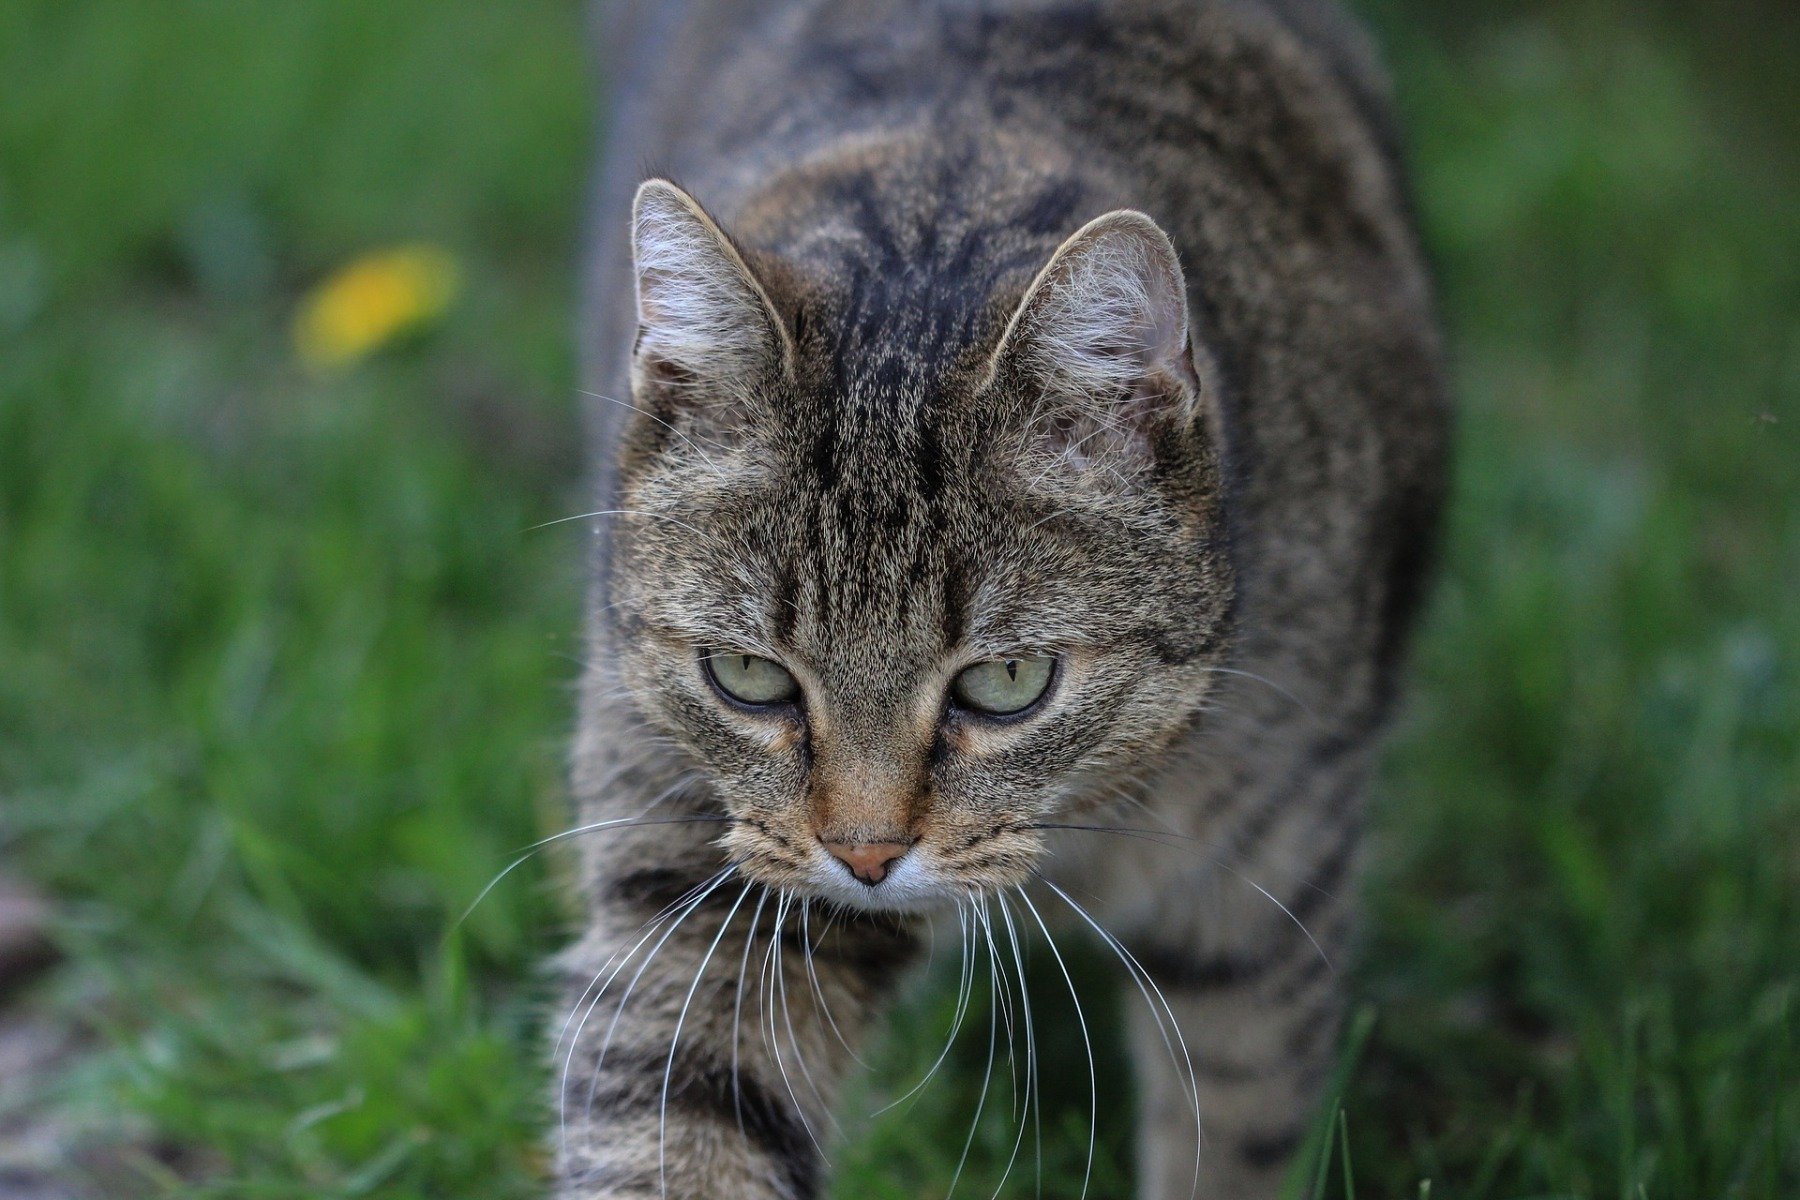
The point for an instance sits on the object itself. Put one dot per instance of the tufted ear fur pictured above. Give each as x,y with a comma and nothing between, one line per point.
1102,336
703,318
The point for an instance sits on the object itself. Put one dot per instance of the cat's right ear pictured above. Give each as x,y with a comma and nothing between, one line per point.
703,318
1101,342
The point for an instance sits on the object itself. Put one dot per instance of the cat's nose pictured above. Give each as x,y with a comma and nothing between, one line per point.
868,861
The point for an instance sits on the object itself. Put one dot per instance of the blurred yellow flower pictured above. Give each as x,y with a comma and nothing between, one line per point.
371,301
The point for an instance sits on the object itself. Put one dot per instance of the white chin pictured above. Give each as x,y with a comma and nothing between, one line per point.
911,886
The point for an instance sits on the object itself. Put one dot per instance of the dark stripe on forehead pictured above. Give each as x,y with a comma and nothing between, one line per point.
954,609
823,458
929,464
785,603
914,285
859,195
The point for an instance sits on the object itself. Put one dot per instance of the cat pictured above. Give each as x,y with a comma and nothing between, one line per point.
1020,436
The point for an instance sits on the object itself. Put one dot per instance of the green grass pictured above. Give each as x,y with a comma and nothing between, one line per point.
284,666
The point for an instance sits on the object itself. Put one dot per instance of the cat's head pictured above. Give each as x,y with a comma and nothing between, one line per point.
904,606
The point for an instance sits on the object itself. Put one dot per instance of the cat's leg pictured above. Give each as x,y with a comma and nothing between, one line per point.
1255,991
708,1027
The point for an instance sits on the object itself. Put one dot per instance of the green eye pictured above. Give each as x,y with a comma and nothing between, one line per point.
1001,686
751,680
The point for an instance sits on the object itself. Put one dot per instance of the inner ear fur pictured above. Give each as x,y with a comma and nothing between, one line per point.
703,317
1103,330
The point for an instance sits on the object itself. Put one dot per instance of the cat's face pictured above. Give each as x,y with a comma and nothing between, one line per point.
903,614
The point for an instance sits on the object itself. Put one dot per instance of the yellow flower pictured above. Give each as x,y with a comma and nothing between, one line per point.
372,301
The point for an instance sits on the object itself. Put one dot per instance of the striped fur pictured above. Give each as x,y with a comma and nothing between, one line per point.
1095,329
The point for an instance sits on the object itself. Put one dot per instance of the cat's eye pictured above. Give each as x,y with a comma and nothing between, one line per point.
750,679
1002,686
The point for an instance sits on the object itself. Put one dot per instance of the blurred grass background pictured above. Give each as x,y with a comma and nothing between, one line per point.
284,665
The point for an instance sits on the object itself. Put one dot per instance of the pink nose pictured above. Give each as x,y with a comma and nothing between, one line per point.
868,861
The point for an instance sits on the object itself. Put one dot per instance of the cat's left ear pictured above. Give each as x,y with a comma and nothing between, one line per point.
1103,329
703,316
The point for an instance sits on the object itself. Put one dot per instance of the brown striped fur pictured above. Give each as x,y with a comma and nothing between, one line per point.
1091,329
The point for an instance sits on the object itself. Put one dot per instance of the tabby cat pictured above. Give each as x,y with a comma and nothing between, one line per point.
1021,434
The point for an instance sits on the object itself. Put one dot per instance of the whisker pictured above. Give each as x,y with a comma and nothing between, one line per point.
1155,837
532,850
787,1019
612,1028
987,1073
662,1120
1145,984
1128,793
648,930
583,1006
993,944
650,924
679,911
615,512
1087,1043
1277,688
965,987
771,1039
1298,923
1228,869
695,446
997,961
817,987
1033,1110
931,938
737,1009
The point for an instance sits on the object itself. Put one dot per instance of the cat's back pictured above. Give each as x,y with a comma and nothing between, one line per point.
691,82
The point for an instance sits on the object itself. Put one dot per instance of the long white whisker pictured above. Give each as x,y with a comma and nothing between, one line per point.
997,960
931,939
1141,976
662,1120
647,929
531,850
679,912
737,1009
621,957
817,987
1033,1110
695,446
1087,1043
772,1039
1214,854
1298,923
616,512
965,988
1279,690
787,1019
613,1026
583,1006
987,1073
